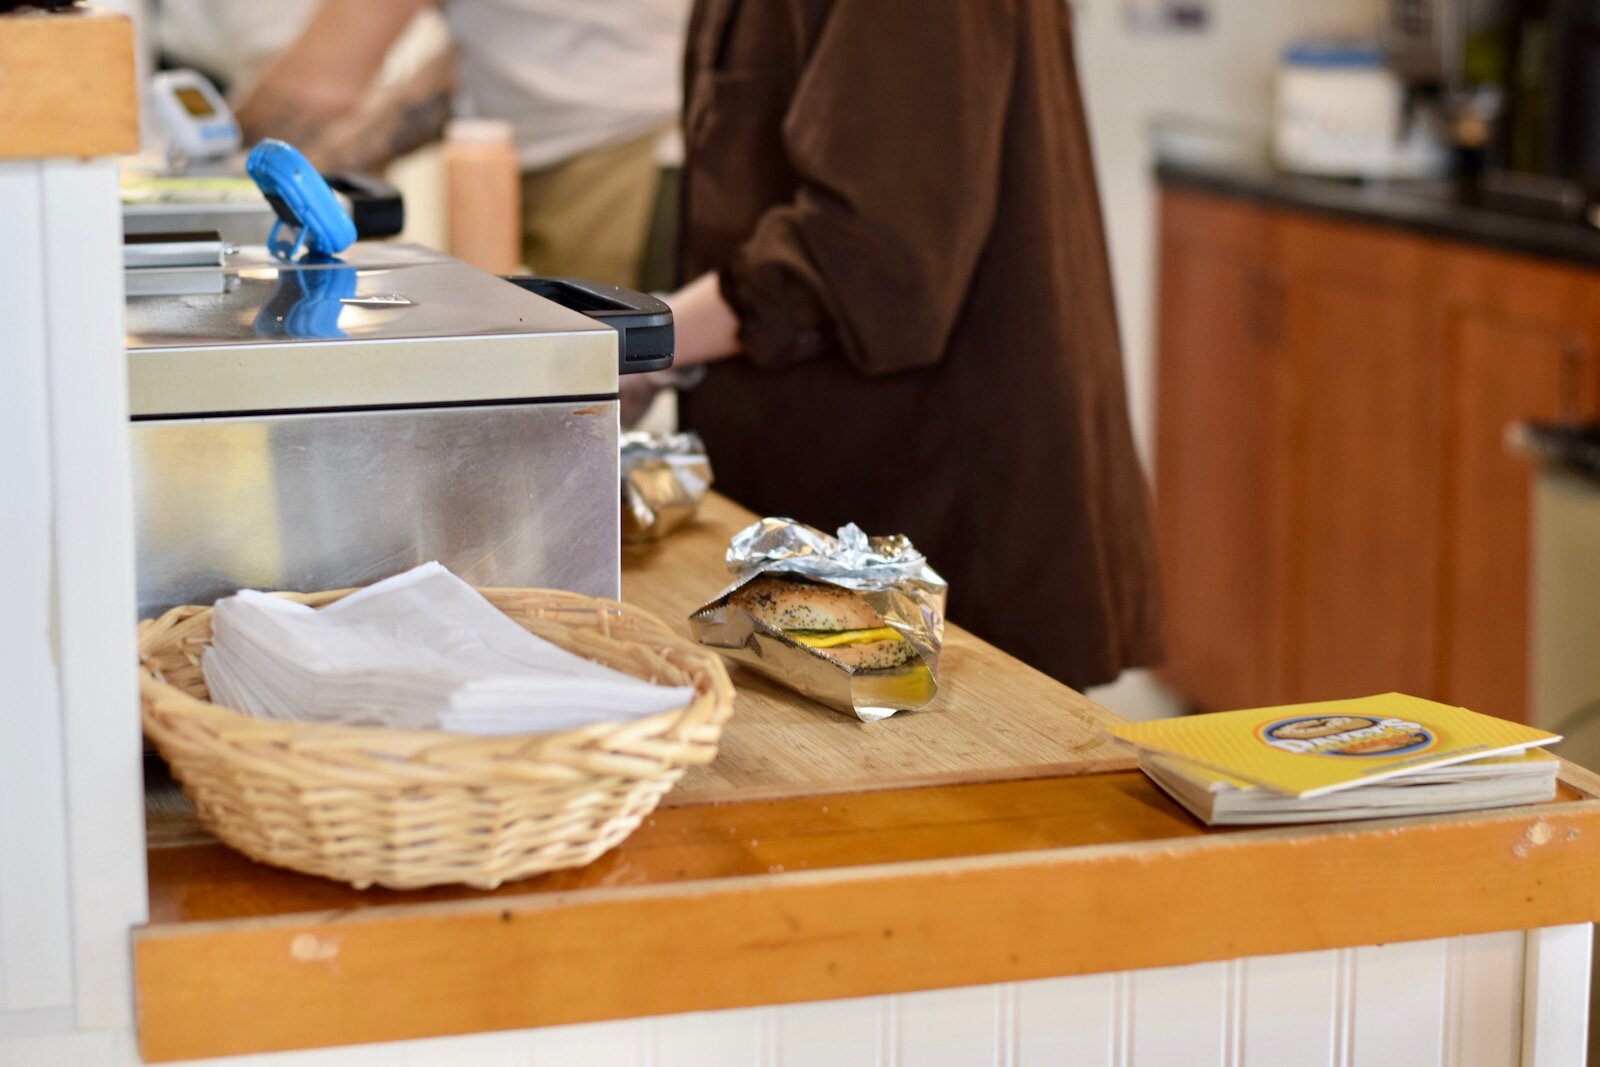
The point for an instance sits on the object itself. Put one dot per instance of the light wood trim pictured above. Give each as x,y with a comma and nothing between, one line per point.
67,84
409,971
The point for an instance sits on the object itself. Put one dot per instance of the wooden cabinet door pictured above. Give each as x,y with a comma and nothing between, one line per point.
1216,446
1337,511
1360,610
1517,343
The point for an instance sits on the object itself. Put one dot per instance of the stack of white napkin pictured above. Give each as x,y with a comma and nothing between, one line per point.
421,650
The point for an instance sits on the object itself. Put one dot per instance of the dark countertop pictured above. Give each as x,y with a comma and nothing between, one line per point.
1434,209
1574,447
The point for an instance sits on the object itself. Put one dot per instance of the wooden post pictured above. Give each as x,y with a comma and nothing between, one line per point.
68,85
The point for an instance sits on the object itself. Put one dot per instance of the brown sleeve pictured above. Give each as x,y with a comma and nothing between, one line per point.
895,132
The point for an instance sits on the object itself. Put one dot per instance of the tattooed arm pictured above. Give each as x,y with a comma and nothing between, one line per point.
397,120
327,71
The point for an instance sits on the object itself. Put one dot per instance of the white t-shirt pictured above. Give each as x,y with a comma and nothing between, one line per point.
232,39
569,75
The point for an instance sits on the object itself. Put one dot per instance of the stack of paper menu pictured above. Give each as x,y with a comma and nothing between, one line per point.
421,650
1372,757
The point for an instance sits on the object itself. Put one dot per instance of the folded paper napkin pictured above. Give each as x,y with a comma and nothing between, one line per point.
421,650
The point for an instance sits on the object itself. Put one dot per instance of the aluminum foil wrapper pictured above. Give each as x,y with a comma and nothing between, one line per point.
664,478
888,572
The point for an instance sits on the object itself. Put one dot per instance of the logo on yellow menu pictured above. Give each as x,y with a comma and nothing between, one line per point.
1347,735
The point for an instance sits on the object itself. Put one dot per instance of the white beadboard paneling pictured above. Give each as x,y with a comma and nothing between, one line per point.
403,1054
1289,1009
35,924
513,1049
1484,1010
1399,1005
1555,1013
832,1033
1180,1015
1065,1022
105,1048
714,1039
94,579
946,1028
628,1043
14,1024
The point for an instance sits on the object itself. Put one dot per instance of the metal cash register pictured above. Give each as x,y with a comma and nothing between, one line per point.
328,422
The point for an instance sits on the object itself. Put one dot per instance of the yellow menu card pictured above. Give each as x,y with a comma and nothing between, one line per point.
1307,750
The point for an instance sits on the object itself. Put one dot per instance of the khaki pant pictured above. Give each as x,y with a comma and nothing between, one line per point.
589,216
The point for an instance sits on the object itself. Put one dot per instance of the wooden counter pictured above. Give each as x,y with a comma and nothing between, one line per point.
751,888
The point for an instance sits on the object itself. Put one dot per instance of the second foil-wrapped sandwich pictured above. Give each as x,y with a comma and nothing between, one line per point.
664,479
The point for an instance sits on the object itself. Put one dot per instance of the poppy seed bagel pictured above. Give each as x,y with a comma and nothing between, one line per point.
792,605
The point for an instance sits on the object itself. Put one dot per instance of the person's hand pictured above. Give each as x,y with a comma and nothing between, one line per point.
706,328
294,102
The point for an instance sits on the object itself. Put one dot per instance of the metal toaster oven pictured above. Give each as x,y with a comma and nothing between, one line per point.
314,426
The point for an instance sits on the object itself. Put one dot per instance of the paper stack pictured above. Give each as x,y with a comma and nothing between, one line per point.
1372,757
421,650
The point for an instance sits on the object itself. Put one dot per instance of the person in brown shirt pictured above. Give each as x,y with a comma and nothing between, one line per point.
902,294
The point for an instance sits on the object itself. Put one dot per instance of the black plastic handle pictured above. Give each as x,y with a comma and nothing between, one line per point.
376,207
644,322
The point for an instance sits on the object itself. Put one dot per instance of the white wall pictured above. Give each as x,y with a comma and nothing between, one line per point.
1224,75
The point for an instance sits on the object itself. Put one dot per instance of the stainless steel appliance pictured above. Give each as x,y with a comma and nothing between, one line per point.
314,426
1565,695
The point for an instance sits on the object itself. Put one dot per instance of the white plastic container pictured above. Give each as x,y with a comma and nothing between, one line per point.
1341,113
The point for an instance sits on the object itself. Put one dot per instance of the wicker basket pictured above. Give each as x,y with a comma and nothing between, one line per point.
408,808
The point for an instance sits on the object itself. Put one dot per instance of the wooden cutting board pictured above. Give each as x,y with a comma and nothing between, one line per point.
994,718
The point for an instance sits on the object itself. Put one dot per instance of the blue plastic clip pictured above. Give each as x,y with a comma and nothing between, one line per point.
309,215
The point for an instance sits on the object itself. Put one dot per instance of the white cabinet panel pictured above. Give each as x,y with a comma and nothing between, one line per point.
1183,1015
714,1039
1485,1000
406,1054
93,497
1290,1010
35,926
946,1028
108,1048
626,1044
1398,1001
71,836
1555,1007
513,1049
837,1033
1069,1022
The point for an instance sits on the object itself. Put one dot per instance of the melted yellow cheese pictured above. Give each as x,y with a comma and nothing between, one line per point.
841,638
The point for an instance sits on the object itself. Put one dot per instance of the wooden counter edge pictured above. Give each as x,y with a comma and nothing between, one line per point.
68,84
413,971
